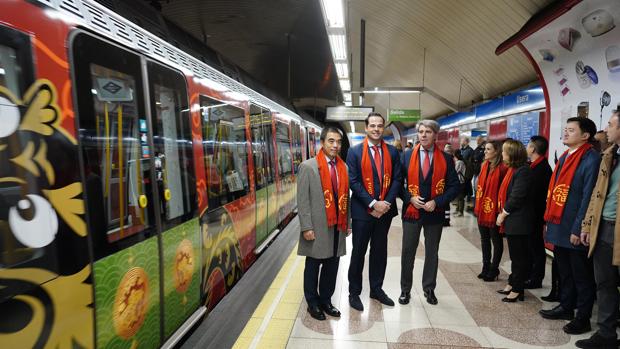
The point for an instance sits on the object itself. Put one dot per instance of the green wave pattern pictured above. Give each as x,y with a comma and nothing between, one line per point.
176,311
109,272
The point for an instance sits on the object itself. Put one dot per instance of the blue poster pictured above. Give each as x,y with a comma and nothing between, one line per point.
514,127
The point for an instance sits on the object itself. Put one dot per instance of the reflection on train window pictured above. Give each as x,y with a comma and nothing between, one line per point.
9,70
285,160
225,149
28,222
260,120
173,159
116,162
296,143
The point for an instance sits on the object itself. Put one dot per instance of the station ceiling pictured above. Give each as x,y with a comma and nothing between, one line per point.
446,46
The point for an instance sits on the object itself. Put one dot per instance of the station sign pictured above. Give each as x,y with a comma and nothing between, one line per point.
343,113
409,115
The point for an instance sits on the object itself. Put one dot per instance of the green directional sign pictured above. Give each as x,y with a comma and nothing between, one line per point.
404,115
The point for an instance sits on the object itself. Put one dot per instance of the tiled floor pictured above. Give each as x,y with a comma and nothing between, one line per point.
469,314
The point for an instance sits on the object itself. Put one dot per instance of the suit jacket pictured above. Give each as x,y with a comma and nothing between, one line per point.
312,216
541,174
451,190
594,215
519,197
577,201
360,199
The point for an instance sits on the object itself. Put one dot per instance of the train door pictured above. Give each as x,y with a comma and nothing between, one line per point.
259,120
140,193
175,187
285,169
273,201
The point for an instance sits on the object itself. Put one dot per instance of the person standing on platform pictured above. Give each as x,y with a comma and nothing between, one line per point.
323,206
515,215
431,183
541,174
491,176
375,181
459,167
601,232
570,188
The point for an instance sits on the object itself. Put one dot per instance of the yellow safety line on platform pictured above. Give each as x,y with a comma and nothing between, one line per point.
274,317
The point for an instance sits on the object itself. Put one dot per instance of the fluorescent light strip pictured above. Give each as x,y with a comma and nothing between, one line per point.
343,70
339,46
334,13
345,84
347,97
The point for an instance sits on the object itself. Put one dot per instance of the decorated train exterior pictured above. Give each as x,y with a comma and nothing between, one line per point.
137,184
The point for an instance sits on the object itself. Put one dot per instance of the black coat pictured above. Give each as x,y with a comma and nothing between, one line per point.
518,203
541,175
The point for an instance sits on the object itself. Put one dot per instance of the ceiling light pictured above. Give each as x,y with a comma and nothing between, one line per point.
338,44
348,104
347,97
334,13
343,70
345,84
352,124
394,90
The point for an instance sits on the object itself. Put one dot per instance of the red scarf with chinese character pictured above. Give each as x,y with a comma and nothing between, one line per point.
537,161
438,181
367,176
559,188
341,216
503,192
486,193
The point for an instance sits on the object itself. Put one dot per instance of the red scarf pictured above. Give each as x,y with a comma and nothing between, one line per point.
486,193
503,192
537,161
438,181
367,176
558,189
341,216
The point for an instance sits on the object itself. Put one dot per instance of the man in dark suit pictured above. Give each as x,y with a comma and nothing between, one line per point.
541,173
375,181
431,183
570,189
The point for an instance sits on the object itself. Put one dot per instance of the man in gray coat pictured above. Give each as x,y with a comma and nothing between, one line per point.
324,215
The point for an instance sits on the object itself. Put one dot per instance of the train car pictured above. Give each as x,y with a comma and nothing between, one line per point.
137,184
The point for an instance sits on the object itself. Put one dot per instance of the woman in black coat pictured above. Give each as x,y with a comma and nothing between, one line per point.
515,216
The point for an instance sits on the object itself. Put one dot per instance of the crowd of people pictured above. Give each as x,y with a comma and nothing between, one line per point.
515,195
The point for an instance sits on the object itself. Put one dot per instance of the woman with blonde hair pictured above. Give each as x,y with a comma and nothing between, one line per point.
491,175
514,217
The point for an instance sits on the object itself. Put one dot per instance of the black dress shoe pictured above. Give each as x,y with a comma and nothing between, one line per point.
577,326
356,303
404,298
551,297
382,298
430,296
557,313
532,284
597,341
316,312
519,297
503,292
330,310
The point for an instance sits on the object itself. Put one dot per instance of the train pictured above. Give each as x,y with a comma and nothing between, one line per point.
137,183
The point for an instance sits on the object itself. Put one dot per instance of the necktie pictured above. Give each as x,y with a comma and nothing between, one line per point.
426,166
378,166
332,173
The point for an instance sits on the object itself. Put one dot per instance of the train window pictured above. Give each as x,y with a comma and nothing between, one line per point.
172,138
260,119
283,141
225,149
296,143
113,139
27,221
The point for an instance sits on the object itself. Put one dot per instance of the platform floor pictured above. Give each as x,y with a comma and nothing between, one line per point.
469,314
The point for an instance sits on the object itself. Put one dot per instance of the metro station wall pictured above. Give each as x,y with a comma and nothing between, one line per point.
578,55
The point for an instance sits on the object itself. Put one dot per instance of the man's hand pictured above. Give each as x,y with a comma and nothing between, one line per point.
500,219
381,206
376,213
418,202
574,240
309,235
585,239
430,206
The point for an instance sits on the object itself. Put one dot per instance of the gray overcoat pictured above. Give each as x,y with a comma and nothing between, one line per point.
312,216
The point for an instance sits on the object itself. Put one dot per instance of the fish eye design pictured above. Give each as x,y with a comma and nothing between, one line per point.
33,221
